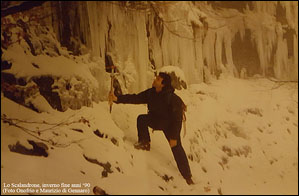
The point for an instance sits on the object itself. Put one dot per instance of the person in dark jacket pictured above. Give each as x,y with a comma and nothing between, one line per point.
164,113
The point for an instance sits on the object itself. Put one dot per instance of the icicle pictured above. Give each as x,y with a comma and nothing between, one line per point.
186,43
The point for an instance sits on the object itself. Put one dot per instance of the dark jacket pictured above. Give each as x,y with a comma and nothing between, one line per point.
164,109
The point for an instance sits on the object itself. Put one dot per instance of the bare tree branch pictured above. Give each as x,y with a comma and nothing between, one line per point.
36,134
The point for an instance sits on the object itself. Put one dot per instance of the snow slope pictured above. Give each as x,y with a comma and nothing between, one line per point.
242,138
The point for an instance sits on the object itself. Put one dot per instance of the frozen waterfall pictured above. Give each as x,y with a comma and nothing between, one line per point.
204,39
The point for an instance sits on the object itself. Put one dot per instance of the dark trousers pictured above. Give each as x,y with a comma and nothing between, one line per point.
143,122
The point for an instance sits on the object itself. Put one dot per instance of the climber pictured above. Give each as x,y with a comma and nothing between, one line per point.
164,113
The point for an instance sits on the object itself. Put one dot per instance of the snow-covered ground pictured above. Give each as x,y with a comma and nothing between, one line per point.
242,138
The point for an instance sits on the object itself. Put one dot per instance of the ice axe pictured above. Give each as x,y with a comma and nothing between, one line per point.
110,68
113,70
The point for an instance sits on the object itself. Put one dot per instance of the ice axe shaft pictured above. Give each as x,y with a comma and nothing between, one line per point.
110,68
111,88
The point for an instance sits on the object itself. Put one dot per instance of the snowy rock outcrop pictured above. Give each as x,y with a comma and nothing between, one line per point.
38,148
43,70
